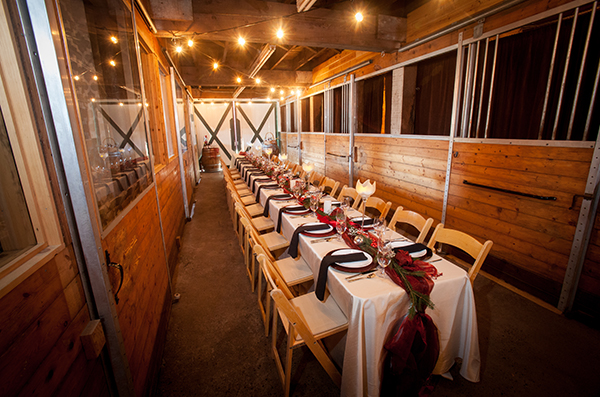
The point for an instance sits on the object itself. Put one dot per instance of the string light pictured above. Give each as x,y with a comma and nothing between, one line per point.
76,78
93,99
241,41
359,16
179,48
239,79
95,78
272,89
215,65
281,98
280,34
112,63
190,43
114,39
257,80
281,92
120,103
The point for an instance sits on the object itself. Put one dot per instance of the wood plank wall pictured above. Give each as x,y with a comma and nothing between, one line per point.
535,235
136,244
313,148
336,167
40,324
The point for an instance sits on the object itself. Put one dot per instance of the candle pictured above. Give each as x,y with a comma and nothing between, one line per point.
327,206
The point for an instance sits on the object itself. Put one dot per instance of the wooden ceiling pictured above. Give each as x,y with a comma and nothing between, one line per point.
322,30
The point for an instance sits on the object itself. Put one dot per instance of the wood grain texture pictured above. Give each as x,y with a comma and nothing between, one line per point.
136,244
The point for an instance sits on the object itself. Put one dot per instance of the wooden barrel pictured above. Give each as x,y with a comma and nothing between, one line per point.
211,159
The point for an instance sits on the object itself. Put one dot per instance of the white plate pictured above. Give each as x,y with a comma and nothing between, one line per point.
283,198
399,244
324,231
356,264
296,211
358,219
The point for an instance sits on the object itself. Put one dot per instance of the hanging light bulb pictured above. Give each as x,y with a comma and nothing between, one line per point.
257,80
95,78
239,79
241,41
179,48
281,98
359,16
272,89
114,39
112,63
76,78
281,92
280,33
215,65
190,43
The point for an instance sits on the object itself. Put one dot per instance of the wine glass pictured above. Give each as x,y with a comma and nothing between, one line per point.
384,255
380,226
314,202
345,204
340,224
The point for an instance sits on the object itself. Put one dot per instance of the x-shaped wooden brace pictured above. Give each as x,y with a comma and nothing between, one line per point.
126,137
262,123
213,134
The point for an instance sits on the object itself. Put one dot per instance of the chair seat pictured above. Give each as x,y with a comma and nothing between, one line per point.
248,200
274,241
255,210
243,192
322,318
262,223
294,271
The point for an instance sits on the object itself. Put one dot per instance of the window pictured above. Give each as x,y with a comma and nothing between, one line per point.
305,109
282,111
374,96
317,112
180,115
292,125
166,99
107,87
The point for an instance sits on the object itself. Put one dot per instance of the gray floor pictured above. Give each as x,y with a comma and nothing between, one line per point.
216,344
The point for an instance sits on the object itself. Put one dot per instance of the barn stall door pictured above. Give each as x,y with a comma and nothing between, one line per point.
213,123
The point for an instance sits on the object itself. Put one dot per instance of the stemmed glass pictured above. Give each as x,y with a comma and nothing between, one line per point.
340,224
384,255
380,226
314,202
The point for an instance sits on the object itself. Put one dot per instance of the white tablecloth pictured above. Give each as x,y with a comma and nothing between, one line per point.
374,306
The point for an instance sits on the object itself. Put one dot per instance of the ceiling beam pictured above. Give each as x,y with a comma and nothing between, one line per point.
288,52
258,21
227,78
309,57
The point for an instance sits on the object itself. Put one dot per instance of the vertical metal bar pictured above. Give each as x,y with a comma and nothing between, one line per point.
83,225
564,79
277,129
586,130
483,73
296,103
581,68
236,134
179,146
474,84
489,107
461,125
581,239
453,122
351,117
550,73
467,92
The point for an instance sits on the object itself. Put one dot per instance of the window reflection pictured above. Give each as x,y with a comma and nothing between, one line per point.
103,63
181,118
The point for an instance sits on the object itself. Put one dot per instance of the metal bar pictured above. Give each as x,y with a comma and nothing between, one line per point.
581,68
83,225
474,83
581,239
489,107
337,155
298,125
588,122
277,129
343,72
179,146
535,196
460,25
483,75
351,132
453,122
564,79
238,141
550,73
466,97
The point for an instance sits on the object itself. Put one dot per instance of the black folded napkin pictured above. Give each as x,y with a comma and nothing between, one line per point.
250,174
245,171
266,211
266,179
267,186
329,260
368,222
296,236
284,210
416,247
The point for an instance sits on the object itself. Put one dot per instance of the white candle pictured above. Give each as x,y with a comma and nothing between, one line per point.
327,206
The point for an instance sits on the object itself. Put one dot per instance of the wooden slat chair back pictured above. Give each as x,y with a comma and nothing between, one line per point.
330,186
316,179
307,321
349,192
414,219
467,243
383,207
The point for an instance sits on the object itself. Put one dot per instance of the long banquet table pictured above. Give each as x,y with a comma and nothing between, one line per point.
374,306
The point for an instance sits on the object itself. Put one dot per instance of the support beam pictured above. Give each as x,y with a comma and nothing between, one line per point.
227,78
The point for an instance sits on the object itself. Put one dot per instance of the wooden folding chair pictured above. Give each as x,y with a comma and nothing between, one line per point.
380,205
466,243
414,219
349,192
330,186
306,321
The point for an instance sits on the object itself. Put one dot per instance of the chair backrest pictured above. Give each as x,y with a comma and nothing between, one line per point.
349,192
331,184
466,243
270,271
414,219
380,205
316,179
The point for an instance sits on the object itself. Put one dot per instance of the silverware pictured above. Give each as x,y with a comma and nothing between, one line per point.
323,239
362,278
360,274
435,260
300,216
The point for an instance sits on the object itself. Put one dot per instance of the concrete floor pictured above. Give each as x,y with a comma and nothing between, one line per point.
216,344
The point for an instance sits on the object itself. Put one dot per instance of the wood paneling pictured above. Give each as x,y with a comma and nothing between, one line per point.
40,323
313,148
336,167
533,234
136,244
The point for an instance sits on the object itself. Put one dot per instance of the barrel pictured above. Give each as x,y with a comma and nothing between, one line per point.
211,159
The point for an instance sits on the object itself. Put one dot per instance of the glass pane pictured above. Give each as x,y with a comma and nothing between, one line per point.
102,57
16,231
181,118
166,98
